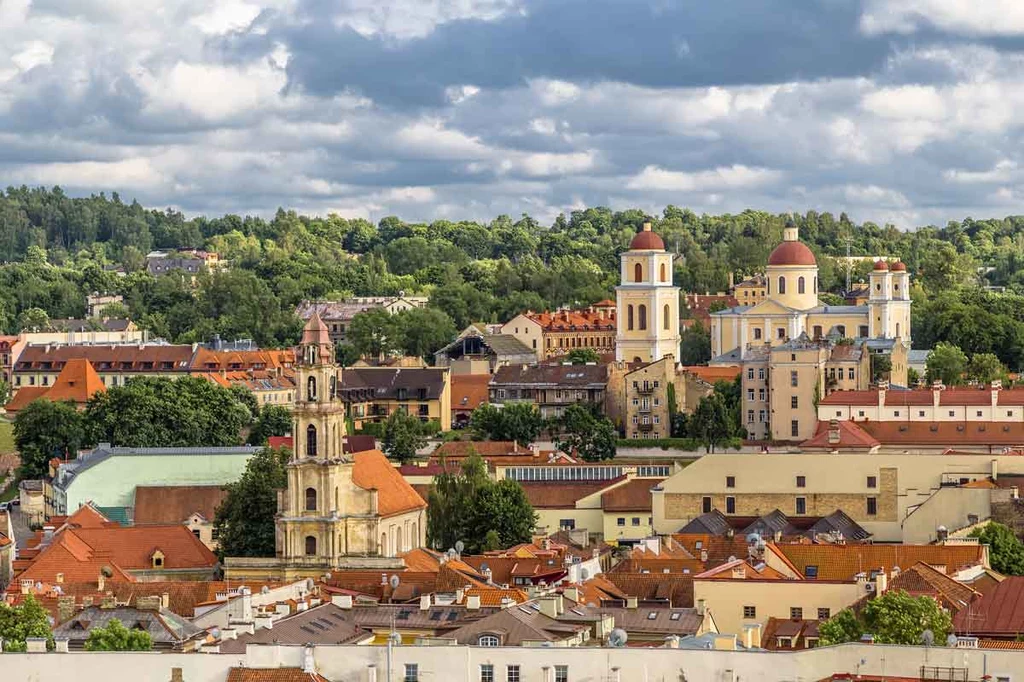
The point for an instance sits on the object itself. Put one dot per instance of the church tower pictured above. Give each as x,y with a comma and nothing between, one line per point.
647,302
318,419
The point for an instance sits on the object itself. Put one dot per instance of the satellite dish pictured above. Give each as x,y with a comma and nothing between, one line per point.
617,638
951,640
484,566
584,574
451,554
310,584
459,546
394,638
753,538
395,580
928,638
264,590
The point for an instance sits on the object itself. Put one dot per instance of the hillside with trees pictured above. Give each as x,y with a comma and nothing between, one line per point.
57,248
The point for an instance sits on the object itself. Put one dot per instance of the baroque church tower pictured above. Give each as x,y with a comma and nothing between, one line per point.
647,315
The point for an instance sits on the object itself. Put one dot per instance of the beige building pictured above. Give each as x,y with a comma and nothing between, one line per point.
553,334
647,302
338,511
647,399
895,497
751,291
791,306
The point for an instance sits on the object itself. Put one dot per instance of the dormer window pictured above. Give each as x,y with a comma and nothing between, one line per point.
158,559
488,640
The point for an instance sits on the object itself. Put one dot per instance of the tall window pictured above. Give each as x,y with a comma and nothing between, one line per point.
310,499
512,673
794,428
638,273
782,284
730,505
667,314
664,273
311,389
642,315
310,545
800,286
706,505
412,672
334,387
561,673
310,441
487,672
629,317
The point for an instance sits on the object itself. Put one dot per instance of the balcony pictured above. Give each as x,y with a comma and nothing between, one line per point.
644,409
645,389
645,427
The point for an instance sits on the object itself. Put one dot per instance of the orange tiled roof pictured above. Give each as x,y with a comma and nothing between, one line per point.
216,361
851,436
574,320
176,503
77,381
713,374
741,569
273,675
495,596
562,494
372,470
1000,644
469,391
24,396
843,562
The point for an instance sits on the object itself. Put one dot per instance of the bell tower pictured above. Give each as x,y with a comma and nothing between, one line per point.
647,301
318,419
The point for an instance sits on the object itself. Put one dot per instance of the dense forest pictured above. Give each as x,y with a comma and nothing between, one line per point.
57,248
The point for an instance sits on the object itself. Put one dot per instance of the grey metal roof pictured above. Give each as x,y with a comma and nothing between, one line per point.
712,523
771,523
164,626
572,376
729,358
839,522
839,310
733,310
917,357
499,344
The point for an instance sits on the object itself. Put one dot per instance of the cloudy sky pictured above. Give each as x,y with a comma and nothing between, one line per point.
909,111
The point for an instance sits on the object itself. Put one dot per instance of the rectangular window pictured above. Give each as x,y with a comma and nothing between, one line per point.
810,572
760,394
794,428
757,333
567,524
872,506
621,521
486,672
781,332
760,373
750,374
760,416
794,402
842,374
978,413
920,413
801,481
750,416
794,378
750,612
561,673
850,374
750,394
796,613
872,482
951,413
636,520
705,504
412,672
801,505
512,673
730,505
730,481
824,613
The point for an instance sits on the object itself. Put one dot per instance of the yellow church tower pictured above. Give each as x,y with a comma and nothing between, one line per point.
647,302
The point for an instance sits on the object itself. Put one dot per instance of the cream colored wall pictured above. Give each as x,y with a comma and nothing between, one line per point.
656,406
548,519
922,413
852,324
792,274
770,479
808,366
755,379
527,331
946,504
726,598
613,532
656,293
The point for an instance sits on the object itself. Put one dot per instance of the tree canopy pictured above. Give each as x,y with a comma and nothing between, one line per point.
586,434
467,506
404,434
116,637
244,521
18,623
893,617
45,429
1005,551
519,422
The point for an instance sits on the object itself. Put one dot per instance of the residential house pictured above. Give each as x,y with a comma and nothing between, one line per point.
96,303
31,501
468,391
115,364
167,630
751,291
371,394
477,353
552,334
77,382
551,387
194,506
159,263
996,615
7,550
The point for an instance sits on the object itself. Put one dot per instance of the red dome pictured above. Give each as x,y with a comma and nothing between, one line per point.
646,241
899,266
881,265
792,253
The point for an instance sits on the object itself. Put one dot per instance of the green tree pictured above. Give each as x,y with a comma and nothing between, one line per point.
162,412
116,637
424,330
581,356
33,320
946,363
273,420
1005,551
881,365
468,506
712,422
404,434
586,435
695,345
519,422
986,368
375,333
893,617
18,623
45,429
244,521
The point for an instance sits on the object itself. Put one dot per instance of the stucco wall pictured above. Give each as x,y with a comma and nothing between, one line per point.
771,599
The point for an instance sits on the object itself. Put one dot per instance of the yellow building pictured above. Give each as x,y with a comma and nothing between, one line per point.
791,306
371,394
553,334
338,511
647,302
751,291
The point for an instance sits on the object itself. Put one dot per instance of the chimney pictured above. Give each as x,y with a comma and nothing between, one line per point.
65,608
266,621
997,386
631,602
473,602
703,556
732,281
108,602
176,675
881,582
487,573
752,635
308,664
35,645
460,594
152,603
700,607
834,435
165,601
101,581
424,602
551,605
572,594
995,469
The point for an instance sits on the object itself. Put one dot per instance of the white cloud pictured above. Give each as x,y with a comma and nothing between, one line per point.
969,17
406,19
129,174
431,139
875,195
226,16
554,92
726,177
35,53
213,91
1003,171
544,163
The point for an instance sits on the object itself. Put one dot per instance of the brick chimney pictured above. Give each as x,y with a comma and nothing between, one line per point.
834,435
152,603
65,608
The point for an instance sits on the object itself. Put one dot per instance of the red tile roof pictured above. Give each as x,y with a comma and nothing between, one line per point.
949,397
946,433
372,470
562,494
77,382
851,437
273,675
999,613
713,374
176,503
634,495
843,562
469,391
575,320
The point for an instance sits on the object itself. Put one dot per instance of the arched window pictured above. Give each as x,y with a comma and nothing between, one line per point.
310,355
667,315
310,441
488,640
336,498
414,537
334,387
383,549
311,389
638,273
642,316
800,286
897,330
399,547
629,317
310,545
664,273
782,284
310,499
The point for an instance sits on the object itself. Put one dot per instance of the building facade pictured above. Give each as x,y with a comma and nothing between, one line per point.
371,394
553,334
647,302
551,387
